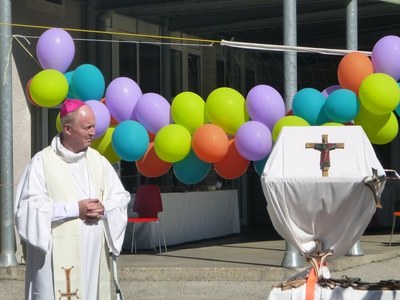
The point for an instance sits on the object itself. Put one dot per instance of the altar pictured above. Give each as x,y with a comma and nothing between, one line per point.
322,185
191,216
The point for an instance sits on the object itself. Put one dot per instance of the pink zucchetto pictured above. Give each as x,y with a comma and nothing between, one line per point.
69,105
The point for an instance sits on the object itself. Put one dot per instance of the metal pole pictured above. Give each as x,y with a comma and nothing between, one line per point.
292,258
7,255
352,44
352,25
290,58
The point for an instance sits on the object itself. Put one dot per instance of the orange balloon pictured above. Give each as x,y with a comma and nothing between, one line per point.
28,94
152,136
233,165
150,165
352,70
210,143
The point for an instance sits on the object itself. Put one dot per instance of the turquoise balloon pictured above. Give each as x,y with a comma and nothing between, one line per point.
259,165
87,83
342,106
191,169
68,76
130,140
308,104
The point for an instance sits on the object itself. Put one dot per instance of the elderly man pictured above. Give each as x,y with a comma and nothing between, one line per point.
71,212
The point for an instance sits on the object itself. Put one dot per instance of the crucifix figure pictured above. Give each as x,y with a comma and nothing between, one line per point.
324,148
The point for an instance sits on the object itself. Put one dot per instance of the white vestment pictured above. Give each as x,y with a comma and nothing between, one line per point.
37,215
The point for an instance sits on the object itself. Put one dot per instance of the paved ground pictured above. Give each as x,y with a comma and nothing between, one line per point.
225,268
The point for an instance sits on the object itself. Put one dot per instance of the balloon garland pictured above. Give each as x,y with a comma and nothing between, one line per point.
226,131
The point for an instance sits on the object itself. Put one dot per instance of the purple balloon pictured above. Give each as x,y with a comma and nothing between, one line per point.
253,140
265,104
330,89
122,95
102,115
153,111
386,56
55,49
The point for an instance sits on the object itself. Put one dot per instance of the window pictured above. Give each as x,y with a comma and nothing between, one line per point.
128,60
221,74
194,73
149,68
176,72
59,2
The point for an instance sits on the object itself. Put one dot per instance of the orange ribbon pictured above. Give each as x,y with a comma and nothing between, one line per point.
310,284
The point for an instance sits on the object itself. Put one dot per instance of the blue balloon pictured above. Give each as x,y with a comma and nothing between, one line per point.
342,106
191,169
308,104
260,164
130,140
87,83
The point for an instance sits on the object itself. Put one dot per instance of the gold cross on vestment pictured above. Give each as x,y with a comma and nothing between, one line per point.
68,294
324,148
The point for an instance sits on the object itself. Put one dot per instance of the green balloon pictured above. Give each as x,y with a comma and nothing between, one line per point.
380,129
332,124
172,143
226,108
287,121
103,145
48,88
379,93
187,109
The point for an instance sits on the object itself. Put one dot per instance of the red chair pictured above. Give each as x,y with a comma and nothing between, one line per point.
395,215
146,206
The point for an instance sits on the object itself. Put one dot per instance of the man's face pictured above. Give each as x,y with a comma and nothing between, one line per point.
80,130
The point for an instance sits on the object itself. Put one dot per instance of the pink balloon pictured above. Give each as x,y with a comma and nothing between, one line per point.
265,104
55,50
153,111
122,95
102,116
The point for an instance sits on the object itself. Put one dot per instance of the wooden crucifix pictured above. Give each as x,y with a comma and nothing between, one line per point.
324,148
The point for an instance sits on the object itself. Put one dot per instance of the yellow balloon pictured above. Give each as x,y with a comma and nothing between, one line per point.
226,108
48,88
104,145
287,121
187,109
379,93
172,143
380,129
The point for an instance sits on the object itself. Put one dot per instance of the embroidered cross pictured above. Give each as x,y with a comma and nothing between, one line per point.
68,294
324,148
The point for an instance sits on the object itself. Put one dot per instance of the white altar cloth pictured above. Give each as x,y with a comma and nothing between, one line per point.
337,293
303,205
191,216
